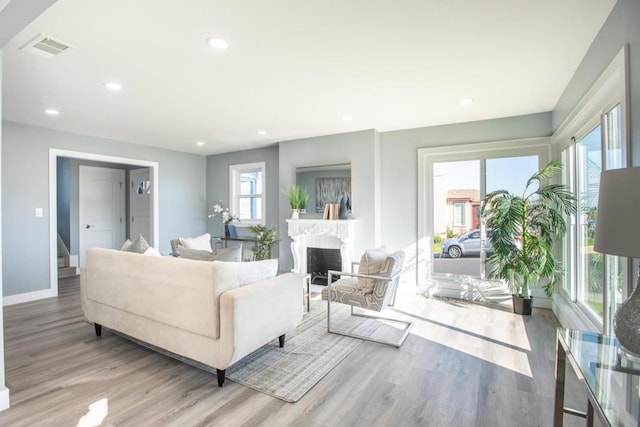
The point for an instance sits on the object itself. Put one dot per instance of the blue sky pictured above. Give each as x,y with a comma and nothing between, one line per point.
510,173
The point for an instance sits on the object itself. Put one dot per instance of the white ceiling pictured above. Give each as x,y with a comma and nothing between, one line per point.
294,68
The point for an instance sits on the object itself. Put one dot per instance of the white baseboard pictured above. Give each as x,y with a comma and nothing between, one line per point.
28,296
4,399
73,260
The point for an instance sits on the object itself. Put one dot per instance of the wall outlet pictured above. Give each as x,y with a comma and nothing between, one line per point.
39,213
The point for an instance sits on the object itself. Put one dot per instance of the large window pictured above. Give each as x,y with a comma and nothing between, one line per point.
593,138
247,192
596,282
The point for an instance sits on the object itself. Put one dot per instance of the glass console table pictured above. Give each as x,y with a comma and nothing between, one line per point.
611,382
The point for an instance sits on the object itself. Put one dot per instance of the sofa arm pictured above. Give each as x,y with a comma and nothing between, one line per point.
253,315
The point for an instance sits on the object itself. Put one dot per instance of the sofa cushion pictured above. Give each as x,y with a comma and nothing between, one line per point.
201,243
233,254
139,245
252,271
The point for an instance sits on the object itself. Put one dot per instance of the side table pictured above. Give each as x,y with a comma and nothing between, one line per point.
307,291
612,388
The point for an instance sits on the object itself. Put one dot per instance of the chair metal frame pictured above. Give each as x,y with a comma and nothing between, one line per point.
405,331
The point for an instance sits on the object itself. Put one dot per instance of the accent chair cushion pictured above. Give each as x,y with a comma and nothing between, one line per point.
233,254
373,262
394,264
252,271
201,243
139,245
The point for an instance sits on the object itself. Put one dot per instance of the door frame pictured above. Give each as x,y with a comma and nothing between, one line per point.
540,146
132,191
53,200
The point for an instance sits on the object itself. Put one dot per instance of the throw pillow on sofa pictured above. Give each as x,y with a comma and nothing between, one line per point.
151,251
201,243
233,254
252,271
139,245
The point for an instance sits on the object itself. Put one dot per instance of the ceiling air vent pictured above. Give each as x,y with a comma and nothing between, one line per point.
46,46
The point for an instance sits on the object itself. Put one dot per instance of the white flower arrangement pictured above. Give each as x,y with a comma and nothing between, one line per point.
219,211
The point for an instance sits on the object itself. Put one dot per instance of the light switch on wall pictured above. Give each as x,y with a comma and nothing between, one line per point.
38,212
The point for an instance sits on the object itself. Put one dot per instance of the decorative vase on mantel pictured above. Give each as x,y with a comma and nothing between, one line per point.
226,231
343,213
295,213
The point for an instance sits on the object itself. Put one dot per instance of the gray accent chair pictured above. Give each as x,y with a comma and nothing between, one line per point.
346,291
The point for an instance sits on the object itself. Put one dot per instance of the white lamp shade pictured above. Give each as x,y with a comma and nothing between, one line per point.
617,224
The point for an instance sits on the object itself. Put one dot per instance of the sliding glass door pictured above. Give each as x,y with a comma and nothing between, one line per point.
460,242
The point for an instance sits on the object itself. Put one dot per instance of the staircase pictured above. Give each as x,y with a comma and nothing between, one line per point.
64,269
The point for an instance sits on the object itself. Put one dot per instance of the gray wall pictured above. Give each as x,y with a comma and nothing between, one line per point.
25,186
3,390
621,28
399,169
218,184
357,148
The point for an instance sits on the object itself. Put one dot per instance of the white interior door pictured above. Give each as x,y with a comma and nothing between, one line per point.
102,209
140,204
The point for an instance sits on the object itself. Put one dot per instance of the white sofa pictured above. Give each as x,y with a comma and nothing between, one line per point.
195,309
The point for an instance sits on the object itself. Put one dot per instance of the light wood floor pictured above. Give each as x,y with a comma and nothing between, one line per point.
463,365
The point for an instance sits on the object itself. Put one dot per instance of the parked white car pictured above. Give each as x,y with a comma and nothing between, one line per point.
468,245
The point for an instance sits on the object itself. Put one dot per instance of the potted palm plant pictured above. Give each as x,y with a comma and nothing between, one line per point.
298,198
524,229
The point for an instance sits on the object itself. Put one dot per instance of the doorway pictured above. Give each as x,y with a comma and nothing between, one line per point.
101,208
54,155
453,246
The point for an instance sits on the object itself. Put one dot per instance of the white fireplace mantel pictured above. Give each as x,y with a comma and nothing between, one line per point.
319,233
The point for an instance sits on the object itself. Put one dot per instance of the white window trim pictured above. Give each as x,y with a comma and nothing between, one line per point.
608,90
234,172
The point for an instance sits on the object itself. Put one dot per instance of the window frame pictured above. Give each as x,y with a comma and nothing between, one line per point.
459,207
608,91
235,171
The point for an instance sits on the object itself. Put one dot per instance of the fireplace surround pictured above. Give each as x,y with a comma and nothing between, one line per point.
318,233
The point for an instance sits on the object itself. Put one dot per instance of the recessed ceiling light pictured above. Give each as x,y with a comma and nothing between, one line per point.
217,43
347,118
51,111
466,101
112,86
262,132
200,143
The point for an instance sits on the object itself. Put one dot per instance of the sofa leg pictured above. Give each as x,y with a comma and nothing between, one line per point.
220,373
281,340
98,329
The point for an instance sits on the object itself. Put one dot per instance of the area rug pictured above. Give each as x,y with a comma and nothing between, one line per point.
309,354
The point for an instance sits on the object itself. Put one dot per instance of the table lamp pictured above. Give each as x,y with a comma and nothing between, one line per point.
618,233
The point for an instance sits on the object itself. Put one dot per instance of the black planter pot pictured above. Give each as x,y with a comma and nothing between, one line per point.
522,305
